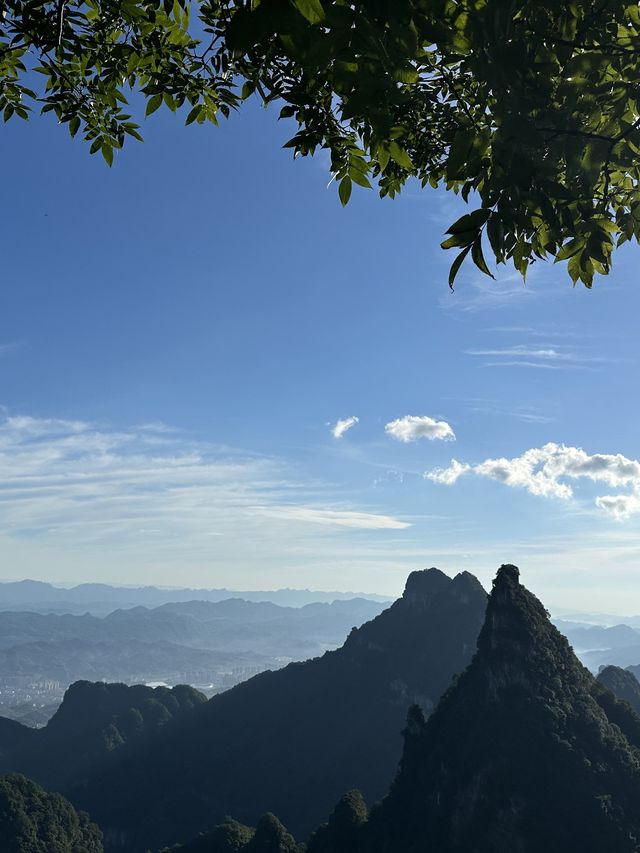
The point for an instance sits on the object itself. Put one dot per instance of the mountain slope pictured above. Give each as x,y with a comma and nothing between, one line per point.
35,821
292,741
525,752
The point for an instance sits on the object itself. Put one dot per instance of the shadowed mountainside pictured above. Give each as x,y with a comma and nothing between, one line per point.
93,722
291,741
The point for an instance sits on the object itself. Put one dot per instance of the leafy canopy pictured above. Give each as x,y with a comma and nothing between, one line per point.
529,110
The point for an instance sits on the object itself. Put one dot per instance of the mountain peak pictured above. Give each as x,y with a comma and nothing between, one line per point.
507,574
526,751
517,630
423,585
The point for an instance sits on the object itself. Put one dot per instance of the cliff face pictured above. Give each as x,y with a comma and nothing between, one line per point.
292,741
525,752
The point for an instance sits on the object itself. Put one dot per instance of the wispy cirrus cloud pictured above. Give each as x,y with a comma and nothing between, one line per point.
546,357
342,425
526,414
543,471
413,427
8,348
81,484
339,518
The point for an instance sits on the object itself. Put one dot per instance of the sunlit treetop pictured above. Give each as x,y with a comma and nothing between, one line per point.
529,110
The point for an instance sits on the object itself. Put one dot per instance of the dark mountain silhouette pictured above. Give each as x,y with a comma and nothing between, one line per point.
35,821
525,752
623,683
291,741
91,724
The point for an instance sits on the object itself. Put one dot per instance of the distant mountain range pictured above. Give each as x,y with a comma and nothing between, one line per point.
209,644
599,645
101,599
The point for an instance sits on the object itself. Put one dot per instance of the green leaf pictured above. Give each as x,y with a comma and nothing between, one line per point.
383,157
344,190
107,153
153,104
359,177
464,238
400,156
311,9
194,113
455,266
495,233
478,258
248,89
570,249
470,221
407,75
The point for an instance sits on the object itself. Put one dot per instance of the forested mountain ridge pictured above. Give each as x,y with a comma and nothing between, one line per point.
91,724
291,741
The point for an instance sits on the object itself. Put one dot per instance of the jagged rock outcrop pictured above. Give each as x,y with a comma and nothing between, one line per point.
526,752
292,741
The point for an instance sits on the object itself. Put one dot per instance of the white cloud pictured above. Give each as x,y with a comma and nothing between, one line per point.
341,518
413,427
448,476
543,471
342,425
547,354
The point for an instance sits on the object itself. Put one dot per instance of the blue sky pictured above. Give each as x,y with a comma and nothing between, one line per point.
180,334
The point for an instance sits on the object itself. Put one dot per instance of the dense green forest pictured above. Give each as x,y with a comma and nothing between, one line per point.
35,821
